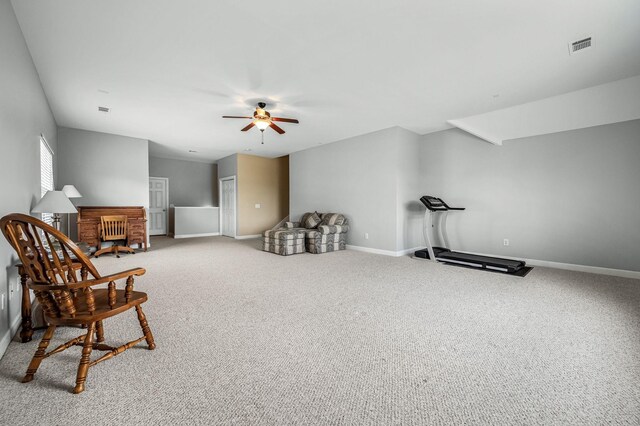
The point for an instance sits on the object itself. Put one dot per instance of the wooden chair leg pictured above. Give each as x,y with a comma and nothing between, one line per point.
83,368
99,332
39,355
145,328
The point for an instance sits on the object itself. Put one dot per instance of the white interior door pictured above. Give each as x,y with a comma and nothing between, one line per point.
228,207
158,200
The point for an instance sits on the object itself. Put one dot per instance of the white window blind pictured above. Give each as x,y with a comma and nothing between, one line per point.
46,174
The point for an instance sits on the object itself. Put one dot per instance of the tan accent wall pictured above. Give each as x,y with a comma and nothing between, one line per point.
263,181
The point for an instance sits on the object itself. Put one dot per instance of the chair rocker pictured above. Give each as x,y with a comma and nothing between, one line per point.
114,228
53,263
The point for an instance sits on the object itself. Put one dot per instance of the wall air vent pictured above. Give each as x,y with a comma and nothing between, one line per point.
579,45
103,109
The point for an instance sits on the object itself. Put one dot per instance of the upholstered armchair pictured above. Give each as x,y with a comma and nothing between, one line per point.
324,231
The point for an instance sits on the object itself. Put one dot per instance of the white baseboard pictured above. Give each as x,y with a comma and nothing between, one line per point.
209,234
6,339
248,237
584,268
530,262
408,251
569,266
381,251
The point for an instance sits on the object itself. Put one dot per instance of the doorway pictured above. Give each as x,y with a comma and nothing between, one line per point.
228,206
158,204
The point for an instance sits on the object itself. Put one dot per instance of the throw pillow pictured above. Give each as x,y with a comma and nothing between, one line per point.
333,219
312,221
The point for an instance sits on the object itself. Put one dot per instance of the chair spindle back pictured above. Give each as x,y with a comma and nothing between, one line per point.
52,262
113,227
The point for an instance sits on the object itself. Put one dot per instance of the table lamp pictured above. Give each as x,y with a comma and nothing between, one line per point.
55,202
71,192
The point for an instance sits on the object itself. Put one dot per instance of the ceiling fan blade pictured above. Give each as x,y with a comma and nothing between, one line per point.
285,120
276,128
234,116
248,127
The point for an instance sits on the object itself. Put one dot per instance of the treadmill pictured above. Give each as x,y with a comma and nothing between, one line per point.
438,208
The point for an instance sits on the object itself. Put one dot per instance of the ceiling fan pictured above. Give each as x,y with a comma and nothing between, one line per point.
262,119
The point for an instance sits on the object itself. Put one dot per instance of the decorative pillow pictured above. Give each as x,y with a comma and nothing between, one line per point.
333,219
303,219
312,221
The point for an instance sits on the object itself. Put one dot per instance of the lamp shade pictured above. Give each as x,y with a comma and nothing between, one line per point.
54,202
71,191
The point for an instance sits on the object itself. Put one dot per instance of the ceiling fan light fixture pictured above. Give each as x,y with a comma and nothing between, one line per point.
262,123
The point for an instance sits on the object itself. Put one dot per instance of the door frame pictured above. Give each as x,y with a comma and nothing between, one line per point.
235,201
166,216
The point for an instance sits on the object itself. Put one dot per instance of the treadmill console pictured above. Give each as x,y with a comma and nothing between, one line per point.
436,204
433,203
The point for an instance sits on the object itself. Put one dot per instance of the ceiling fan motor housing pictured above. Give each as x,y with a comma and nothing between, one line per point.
260,113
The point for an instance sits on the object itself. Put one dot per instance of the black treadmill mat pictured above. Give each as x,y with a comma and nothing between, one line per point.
520,273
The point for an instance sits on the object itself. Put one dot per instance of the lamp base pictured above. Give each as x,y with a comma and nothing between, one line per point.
56,221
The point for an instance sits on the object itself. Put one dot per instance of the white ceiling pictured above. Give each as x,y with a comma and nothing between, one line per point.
173,68
594,106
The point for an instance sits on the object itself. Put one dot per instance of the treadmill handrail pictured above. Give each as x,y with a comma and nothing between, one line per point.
451,208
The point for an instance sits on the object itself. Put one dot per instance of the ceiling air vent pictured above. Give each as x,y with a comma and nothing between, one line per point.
579,45
103,109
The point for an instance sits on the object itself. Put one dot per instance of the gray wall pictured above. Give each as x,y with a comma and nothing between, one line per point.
410,211
569,197
356,177
24,115
196,221
190,183
108,170
228,166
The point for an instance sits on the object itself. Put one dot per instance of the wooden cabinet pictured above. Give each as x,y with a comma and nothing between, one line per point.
88,232
138,232
89,224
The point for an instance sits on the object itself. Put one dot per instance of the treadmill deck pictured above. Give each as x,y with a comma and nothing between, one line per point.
482,261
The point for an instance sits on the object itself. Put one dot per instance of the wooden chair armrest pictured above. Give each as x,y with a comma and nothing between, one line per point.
90,283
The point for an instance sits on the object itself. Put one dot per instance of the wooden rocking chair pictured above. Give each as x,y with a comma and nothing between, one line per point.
53,262
114,228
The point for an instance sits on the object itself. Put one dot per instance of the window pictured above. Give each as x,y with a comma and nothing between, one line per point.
46,174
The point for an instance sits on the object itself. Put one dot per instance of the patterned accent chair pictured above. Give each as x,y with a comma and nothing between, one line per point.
329,235
284,241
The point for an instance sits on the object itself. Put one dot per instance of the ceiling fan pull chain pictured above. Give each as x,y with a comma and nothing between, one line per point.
262,134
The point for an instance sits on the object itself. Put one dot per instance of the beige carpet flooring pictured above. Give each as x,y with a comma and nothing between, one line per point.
247,337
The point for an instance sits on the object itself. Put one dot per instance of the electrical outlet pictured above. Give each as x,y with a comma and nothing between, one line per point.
505,242
366,235
258,206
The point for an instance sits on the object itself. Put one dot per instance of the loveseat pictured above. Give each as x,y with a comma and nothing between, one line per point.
323,232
